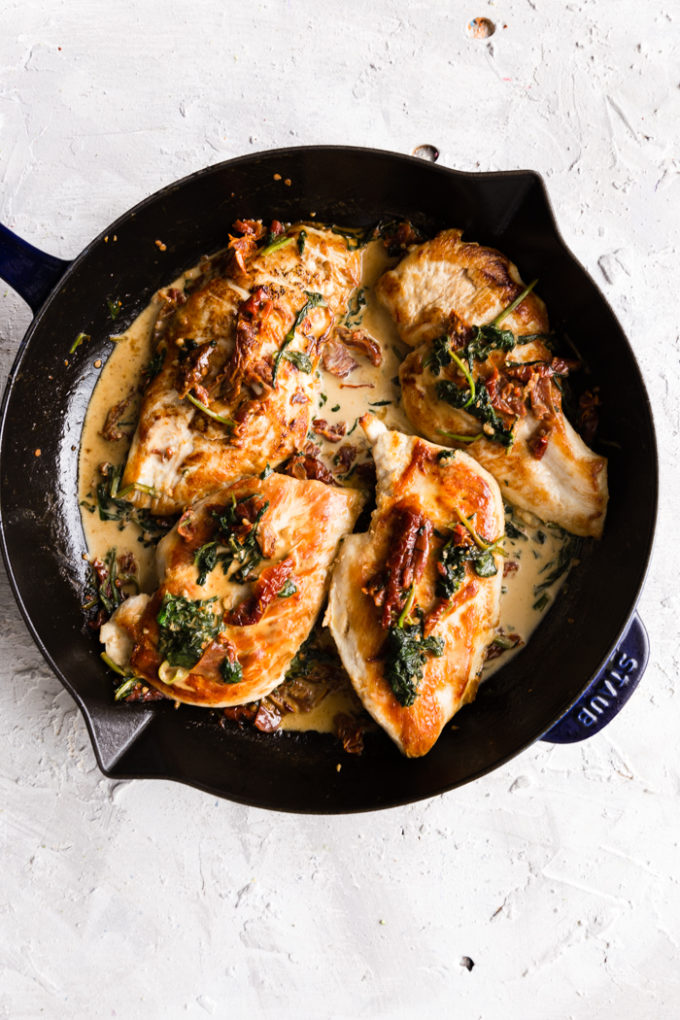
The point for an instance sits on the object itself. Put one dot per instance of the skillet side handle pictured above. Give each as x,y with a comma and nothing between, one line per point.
609,691
30,272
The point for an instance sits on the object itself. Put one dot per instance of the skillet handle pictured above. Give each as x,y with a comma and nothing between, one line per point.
29,271
609,691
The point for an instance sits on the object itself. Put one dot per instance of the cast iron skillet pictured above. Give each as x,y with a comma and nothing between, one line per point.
577,669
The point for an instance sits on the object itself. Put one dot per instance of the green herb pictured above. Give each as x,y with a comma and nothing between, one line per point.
513,532
458,437
266,472
128,685
280,242
231,672
302,237
336,407
541,603
185,628
468,378
408,606
113,507
322,399
511,307
288,589
439,355
406,652
480,409
154,366
568,551
78,341
355,238
356,422
379,403
487,339
114,307
310,658
245,551
221,418
445,455
300,360
355,306
453,557
108,585
313,300
206,560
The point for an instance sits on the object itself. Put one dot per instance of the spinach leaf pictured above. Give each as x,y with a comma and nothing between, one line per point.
454,555
406,652
301,361
154,366
185,628
569,551
231,672
113,506
487,339
245,549
206,560
439,355
313,301
480,408
355,309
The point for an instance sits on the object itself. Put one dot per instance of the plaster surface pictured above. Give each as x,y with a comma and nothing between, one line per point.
557,875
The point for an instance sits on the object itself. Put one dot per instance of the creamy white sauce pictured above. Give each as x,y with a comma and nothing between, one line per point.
367,388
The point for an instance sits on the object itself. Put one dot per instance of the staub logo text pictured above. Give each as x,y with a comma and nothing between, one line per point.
617,675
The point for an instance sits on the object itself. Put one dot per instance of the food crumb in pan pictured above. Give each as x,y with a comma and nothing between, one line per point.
161,246
338,767
288,182
466,962
38,452
277,177
98,363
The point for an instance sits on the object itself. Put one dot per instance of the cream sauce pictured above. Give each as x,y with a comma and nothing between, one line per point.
368,388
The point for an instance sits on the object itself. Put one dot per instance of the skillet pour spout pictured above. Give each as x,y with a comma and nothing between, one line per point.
584,660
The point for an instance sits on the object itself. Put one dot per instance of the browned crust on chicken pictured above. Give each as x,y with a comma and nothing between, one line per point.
419,492
259,628
227,347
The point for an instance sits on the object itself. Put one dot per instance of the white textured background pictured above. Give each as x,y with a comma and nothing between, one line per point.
558,874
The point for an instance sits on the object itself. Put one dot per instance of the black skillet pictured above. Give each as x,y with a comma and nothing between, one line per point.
577,671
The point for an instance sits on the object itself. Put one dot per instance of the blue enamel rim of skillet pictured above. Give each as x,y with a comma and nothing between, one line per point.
138,741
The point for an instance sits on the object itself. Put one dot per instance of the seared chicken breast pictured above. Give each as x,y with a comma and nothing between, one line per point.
243,576
482,378
237,358
414,602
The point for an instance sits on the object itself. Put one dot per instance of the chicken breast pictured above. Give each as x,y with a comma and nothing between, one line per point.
244,574
237,380
415,601
486,381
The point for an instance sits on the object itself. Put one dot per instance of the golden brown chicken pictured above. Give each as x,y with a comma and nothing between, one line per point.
483,378
237,382
414,602
244,574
